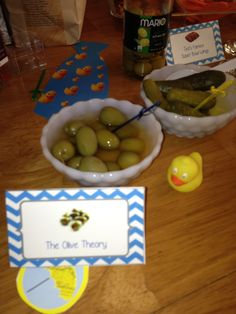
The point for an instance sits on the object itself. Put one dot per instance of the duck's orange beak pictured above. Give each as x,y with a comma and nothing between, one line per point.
177,181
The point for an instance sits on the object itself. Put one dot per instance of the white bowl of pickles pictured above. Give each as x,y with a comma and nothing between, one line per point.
187,105
81,142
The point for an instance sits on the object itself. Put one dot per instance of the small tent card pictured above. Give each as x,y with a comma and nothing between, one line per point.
200,44
68,227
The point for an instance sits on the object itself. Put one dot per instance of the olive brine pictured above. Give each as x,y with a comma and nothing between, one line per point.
91,145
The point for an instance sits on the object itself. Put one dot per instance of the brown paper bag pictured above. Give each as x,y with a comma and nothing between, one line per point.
54,22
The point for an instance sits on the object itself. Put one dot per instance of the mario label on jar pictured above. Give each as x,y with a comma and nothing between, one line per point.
145,34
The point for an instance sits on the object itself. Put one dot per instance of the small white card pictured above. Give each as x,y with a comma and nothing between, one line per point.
89,226
199,44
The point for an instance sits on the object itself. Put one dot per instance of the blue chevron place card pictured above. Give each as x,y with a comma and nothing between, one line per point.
68,227
199,44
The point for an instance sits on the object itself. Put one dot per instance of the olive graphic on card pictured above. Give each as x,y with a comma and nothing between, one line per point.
75,220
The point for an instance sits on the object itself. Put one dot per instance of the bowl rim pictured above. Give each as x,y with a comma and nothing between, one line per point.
109,176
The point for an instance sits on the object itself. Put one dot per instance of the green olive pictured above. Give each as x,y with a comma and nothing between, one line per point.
63,150
158,63
132,144
108,155
129,130
92,164
112,166
96,125
158,55
86,141
140,56
74,162
142,68
111,116
107,140
128,159
72,127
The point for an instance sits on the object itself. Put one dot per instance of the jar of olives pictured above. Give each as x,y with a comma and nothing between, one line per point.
146,25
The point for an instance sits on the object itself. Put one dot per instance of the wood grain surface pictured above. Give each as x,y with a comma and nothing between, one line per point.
190,238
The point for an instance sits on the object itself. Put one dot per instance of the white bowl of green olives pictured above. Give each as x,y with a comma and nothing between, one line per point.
182,91
80,141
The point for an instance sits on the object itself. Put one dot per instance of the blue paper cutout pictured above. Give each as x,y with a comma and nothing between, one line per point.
82,76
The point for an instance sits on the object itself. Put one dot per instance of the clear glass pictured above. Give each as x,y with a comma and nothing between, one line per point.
28,56
146,30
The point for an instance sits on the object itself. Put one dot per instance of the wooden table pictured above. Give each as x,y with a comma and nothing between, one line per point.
190,238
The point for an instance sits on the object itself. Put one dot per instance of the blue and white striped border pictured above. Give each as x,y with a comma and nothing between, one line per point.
135,196
216,31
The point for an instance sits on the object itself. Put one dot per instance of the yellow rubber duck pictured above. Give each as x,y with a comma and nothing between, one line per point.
185,172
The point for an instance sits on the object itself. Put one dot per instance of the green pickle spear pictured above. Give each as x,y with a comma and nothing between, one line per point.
153,92
190,97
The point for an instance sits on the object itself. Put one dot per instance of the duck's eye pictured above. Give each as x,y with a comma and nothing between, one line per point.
175,170
184,175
